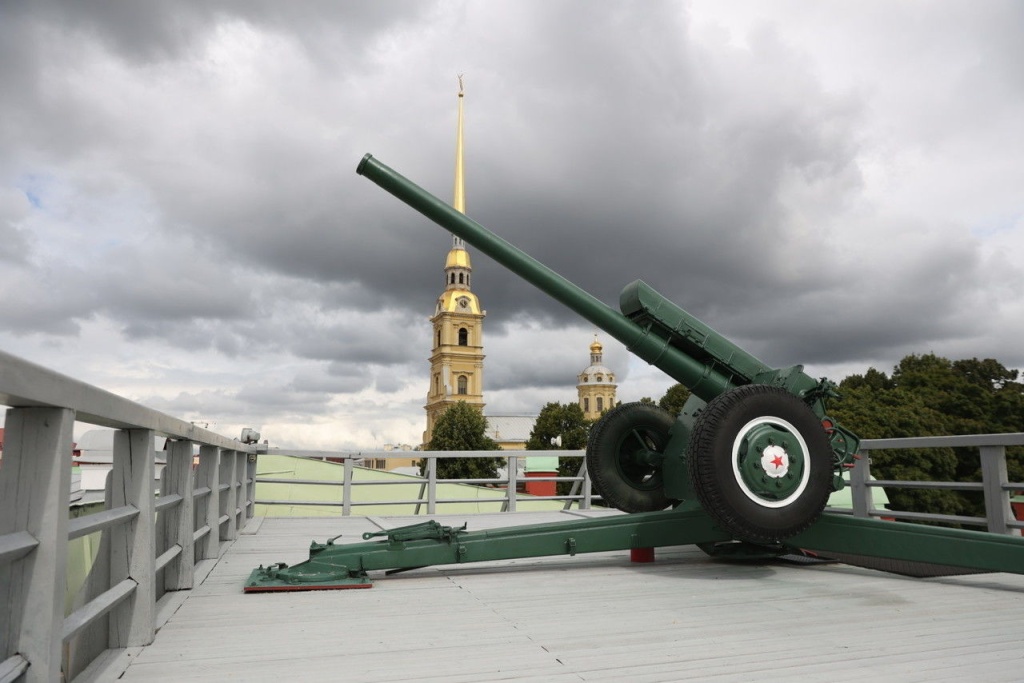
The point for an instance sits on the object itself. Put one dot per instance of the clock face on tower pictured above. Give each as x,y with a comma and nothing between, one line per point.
463,302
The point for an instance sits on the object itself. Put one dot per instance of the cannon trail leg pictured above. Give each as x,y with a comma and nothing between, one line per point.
333,566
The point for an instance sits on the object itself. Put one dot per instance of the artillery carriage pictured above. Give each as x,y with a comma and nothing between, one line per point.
745,469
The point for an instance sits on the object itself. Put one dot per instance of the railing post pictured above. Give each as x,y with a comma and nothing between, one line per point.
249,505
512,484
997,498
860,493
242,469
35,481
237,472
208,475
587,490
180,525
431,485
228,501
346,487
133,622
577,485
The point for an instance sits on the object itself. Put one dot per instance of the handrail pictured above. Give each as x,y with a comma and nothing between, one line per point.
149,546
995,485
24,384
427,499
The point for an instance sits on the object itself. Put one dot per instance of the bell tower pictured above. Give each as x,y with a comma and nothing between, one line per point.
596,385
457,357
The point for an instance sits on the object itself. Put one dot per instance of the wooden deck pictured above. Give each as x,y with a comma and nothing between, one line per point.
584,618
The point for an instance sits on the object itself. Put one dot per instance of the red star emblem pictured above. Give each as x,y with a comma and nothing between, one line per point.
777,461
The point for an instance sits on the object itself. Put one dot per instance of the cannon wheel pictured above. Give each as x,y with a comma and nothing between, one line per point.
760,463
623,457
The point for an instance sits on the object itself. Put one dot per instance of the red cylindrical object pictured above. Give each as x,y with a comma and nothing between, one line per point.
641,555
541,488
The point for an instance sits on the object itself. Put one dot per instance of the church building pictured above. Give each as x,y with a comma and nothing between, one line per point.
457,353
596,387
457,357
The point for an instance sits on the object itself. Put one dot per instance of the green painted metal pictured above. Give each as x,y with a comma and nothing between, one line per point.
422,545
764,447
913,543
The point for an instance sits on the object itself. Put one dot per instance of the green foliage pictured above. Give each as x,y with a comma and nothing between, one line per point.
931,396
674,399
463,428
565,421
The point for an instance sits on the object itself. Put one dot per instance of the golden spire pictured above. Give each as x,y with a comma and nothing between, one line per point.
459,200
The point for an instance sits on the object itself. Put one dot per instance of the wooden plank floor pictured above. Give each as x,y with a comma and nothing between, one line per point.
586,618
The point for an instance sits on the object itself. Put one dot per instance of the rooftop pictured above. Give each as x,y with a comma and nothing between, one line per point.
585,618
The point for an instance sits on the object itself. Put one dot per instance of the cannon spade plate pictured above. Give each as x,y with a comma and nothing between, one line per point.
278,578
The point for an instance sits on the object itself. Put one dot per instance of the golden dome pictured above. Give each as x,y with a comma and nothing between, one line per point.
596,347
458,258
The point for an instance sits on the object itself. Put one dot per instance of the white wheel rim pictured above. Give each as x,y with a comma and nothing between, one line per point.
738,476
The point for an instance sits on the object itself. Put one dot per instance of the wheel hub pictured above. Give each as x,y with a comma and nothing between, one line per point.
775,461
769,462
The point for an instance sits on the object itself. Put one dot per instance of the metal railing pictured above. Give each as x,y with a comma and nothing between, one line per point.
994,484
426,499
152,548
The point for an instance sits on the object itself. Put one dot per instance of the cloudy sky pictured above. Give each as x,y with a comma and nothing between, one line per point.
837,184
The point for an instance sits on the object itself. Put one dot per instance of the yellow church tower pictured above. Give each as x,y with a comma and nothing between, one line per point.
457,359
596,387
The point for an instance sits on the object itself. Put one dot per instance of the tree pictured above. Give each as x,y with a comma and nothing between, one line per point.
463,428
564,422
928,395
674,399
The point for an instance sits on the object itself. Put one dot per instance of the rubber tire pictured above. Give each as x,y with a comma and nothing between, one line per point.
622,486
711,471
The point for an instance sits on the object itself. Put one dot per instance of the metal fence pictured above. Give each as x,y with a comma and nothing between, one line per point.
994,484
427,499
153,546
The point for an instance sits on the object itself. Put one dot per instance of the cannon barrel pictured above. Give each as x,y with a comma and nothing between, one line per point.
703,379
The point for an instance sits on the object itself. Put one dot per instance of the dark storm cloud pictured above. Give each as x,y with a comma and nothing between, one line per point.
676,183
669,178
250,405
377,339
166,29
183,173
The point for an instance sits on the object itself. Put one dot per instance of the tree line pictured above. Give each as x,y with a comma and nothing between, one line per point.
924,395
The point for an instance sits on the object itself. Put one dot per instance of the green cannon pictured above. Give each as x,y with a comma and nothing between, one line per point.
743,472
754,444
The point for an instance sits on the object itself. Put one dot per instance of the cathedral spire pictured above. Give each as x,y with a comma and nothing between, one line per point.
459,195
457,358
